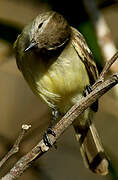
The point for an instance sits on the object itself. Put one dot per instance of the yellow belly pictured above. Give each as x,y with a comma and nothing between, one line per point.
61,83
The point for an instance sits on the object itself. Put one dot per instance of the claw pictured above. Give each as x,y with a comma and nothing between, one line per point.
46,138
50,131
88,90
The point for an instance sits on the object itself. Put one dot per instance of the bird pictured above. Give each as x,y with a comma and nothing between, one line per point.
59,67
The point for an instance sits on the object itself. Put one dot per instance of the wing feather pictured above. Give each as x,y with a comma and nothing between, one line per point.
85,54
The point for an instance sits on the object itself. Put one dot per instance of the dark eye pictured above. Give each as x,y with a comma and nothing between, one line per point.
40,25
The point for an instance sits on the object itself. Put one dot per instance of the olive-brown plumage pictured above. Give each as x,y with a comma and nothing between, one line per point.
57,64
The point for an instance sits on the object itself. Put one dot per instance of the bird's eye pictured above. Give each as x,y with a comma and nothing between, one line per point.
40,25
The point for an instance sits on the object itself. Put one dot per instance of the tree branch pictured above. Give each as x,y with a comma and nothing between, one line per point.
98,90
105,70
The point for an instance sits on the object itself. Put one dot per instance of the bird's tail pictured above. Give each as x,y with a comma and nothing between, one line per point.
91,149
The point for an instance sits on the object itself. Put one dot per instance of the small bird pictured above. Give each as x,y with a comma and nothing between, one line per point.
59,68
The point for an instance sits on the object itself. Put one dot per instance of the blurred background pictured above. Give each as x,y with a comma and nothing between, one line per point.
18,105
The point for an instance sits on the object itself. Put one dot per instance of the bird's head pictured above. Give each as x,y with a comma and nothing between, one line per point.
48,31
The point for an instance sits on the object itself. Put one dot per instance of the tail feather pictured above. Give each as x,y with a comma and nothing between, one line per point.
91,149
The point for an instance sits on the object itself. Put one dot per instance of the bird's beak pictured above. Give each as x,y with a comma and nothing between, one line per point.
32,45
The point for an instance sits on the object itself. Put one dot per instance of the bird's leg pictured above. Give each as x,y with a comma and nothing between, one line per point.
55,116
88,90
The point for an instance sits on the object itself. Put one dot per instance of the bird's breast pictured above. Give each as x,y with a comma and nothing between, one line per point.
60,81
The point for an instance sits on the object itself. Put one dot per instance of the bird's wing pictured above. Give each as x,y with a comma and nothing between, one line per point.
85,54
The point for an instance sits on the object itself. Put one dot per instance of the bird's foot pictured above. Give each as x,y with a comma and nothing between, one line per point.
55,116
46,138
88,89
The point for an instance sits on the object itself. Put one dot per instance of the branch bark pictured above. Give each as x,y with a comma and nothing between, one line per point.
99,88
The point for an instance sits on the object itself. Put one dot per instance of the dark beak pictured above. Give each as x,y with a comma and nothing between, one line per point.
32,45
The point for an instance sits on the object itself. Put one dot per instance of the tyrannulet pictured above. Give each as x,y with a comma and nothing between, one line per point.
57,64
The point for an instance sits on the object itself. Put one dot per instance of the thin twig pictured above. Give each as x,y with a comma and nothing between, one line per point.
105,70
108,65
15,147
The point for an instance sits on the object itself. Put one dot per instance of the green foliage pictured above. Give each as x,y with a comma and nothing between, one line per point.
87,30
